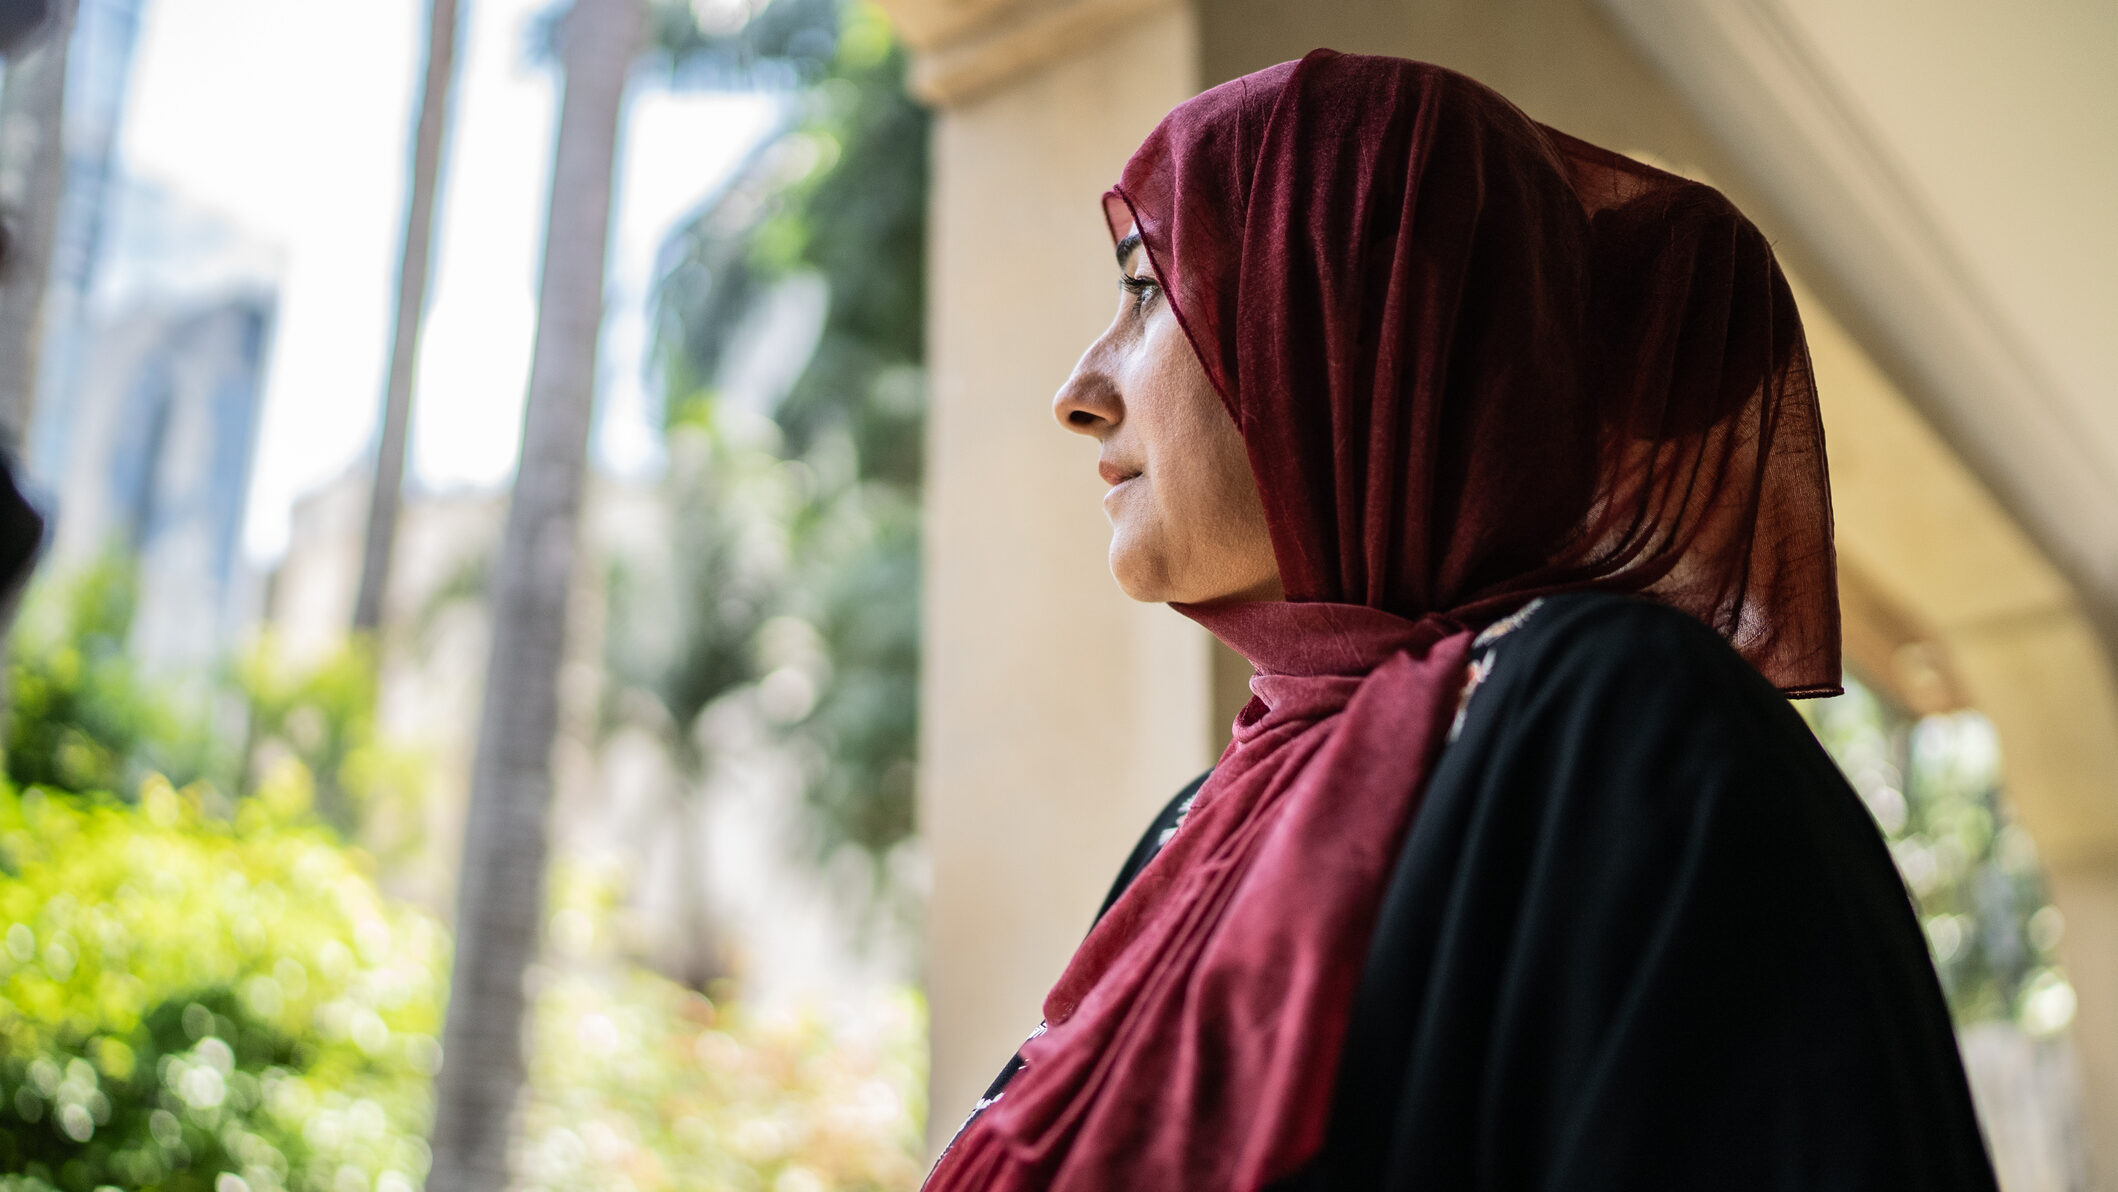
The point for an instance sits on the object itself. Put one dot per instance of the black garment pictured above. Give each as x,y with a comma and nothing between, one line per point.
21,539
1641,935
21,532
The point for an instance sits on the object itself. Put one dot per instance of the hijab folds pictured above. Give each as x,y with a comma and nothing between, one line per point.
1474,360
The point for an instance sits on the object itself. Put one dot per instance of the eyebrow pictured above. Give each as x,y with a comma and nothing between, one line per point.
1126,247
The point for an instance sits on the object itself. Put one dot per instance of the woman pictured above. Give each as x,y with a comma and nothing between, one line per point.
1497,454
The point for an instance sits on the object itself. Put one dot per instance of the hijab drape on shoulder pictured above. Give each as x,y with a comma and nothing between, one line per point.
1474,360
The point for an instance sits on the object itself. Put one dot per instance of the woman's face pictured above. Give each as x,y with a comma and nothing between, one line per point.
1186,524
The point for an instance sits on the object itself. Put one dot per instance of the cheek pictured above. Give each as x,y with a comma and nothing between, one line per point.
1142,558
1191,528
1203,510
1207,491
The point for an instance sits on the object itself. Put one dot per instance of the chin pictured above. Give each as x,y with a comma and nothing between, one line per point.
1138,589
1140,573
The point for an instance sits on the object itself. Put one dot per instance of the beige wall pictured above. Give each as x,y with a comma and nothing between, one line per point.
1057,716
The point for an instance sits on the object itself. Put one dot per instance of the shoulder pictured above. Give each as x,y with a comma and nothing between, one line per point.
1643,897
1629,707
1614,653
1611,630
1625,744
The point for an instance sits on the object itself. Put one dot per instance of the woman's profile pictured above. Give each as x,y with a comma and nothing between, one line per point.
1498,455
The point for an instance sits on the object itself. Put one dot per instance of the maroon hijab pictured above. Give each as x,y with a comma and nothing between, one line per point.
1474,360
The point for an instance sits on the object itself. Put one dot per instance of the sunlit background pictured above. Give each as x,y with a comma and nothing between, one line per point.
236,841
232,838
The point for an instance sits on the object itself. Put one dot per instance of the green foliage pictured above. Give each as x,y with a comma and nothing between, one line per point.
687,637
774,44
859,219
203,989
82,718
184,997
199,984
322,715
641,1085
861,593
1934,787
644,1085
203,993
841,198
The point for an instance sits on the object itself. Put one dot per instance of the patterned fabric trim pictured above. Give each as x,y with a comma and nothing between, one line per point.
1480,667
992,1094
1506,625
1183,810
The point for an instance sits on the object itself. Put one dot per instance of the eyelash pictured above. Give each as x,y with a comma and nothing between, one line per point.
1141,288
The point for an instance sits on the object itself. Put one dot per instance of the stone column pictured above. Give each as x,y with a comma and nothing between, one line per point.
1058,716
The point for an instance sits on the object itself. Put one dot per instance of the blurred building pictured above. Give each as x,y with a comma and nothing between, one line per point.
157,319
147,446
1938,181
163,472
98,76
432,667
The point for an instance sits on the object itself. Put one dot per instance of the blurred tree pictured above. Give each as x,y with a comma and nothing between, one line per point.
681,627
641,1085
32,182
412,275
189,1000
852,213
84,719
500,900
795,573
195,992
194,987
861,566
840,198
753,45
323,715
90,721
1933,785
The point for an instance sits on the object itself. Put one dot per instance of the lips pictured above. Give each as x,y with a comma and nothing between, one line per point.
1115,474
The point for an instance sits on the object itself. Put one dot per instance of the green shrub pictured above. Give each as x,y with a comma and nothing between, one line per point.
190,1003
193,1003
1934,785
82,717
641,1085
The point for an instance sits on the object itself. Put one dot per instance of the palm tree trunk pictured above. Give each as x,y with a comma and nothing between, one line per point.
699,963
412,274
32,182
500,900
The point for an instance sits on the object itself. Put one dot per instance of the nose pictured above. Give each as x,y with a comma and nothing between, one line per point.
1088,403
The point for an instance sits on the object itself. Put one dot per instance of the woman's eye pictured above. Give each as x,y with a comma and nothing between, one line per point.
1141,288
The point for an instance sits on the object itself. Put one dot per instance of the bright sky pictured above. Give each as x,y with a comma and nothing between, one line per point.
294,120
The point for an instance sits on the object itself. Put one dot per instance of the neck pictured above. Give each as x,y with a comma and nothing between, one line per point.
1313,637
